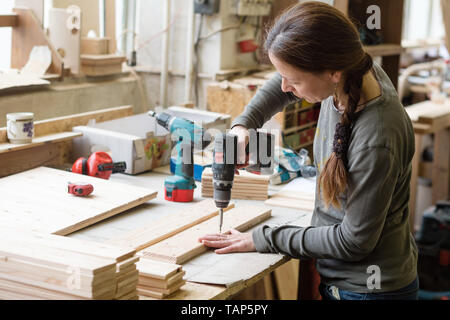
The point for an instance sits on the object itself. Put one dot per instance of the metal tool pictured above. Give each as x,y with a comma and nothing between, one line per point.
223,168
99,165
261,152
180,187
80,189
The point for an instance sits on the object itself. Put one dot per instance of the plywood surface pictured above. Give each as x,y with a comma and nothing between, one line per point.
184,246
38,199
168,226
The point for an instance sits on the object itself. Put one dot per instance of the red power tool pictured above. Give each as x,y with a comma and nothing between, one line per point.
80,189
99,165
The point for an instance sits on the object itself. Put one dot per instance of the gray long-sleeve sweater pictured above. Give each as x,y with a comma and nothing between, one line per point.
371,230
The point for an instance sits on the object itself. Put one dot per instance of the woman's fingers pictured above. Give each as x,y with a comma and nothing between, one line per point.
212,237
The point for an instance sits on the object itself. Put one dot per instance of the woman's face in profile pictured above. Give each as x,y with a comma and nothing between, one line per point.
310,86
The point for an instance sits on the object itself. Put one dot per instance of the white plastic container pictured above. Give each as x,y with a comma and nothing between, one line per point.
20,127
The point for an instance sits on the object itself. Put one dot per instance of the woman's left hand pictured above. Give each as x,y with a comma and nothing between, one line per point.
232,241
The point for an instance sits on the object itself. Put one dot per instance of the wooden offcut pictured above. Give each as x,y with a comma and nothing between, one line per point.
168,226
185,246
38,199
159,279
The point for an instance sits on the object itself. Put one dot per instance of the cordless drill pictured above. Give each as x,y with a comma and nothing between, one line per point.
260,149
224,165
180,187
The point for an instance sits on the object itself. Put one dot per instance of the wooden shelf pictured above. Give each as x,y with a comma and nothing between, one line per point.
8,20
299,110
298,128
39,141
382,50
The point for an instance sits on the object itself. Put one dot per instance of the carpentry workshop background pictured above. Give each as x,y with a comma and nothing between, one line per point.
97,198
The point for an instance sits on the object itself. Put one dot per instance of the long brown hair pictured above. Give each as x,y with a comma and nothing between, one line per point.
316,37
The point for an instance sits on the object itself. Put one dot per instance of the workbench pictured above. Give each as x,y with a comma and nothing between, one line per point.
245,268
431,118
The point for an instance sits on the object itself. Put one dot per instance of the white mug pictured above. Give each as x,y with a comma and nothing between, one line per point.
20,127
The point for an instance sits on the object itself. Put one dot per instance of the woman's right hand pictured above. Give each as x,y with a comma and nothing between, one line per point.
243,138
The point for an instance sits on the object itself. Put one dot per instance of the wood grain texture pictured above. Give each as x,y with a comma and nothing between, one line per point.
18,161
49,208
27,34
39,141
184,246
66,123
168,226
8,20
150,268
246,186
292,199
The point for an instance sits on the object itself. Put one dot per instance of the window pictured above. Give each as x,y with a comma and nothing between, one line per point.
423,20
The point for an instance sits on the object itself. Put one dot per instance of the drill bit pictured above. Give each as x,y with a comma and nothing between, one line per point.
220,220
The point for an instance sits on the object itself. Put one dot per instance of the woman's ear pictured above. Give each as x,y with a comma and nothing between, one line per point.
336,76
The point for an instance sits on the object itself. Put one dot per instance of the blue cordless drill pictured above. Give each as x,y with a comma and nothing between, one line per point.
180,187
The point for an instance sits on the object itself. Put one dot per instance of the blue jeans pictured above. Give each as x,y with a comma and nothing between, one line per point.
410,292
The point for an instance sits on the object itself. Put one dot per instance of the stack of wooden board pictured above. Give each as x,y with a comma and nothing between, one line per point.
159,279
246,185
127,279
42,266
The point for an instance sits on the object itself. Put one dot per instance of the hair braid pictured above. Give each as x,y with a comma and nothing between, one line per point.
333,179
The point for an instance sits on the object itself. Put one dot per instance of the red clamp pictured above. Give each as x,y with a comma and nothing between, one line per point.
80,189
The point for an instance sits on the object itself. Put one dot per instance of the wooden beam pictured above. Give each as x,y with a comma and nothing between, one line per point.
25,36
8,20
185,246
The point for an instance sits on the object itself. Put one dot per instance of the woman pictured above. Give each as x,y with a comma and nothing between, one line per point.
363,148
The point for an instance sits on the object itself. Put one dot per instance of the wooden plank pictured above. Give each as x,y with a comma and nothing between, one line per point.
292,199
124,256
184,246
286,279
168,226
157,269
19,161
39,141
163,284
27,34
8,20
160,293
50,209
66,123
